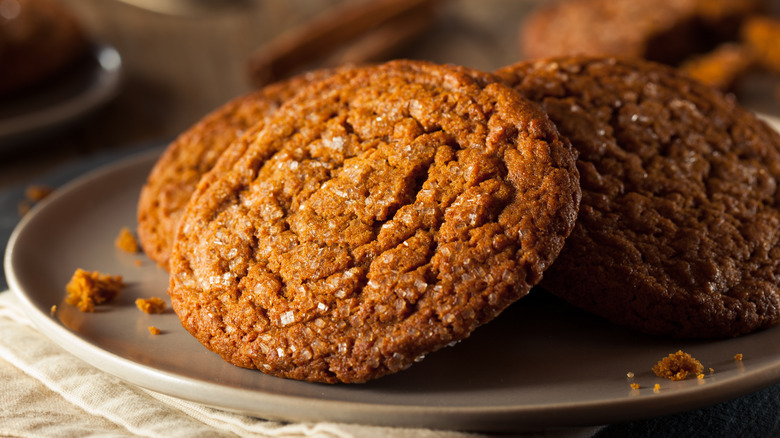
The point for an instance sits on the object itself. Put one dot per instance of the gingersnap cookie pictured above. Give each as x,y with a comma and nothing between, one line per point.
679,228
382,214
38,39
666,31
178,170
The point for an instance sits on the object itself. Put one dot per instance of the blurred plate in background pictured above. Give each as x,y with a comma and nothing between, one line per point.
42,111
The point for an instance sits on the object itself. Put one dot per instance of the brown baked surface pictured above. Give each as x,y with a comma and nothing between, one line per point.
679,226
176,173
38,39
666,31
381,215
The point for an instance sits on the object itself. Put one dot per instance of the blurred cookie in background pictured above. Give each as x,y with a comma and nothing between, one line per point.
666,31
38,39
730,45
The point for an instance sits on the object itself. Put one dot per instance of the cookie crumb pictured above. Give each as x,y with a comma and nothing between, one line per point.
634,386
154,330
151,305
657,388
630,374
138,262
86,289
677,366
53,310
700,376
33,193
760,33
721,68
126,241
738,356
37,192
23,208
712,370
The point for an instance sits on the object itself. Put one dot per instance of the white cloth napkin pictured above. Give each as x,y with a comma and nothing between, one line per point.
45,391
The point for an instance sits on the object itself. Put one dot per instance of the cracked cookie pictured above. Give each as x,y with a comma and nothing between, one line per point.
380,215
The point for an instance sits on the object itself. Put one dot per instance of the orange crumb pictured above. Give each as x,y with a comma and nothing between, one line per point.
738,356
37,192
761,33
53,310
138,262
677,366
700,376
634,386
657,388
126,241
33,193
154,330
23,208
86,289
722,67
151,305
712,370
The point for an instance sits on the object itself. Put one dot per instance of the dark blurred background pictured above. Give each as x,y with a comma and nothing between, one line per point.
183,58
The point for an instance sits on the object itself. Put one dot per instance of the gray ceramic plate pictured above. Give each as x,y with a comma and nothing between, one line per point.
540,364
41,111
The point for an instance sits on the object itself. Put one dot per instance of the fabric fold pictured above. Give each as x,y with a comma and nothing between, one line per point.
46,391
